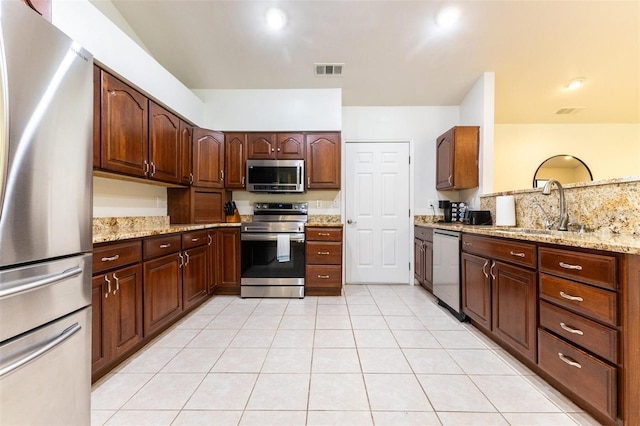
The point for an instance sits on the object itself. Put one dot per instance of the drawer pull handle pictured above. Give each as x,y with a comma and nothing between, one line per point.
568,360
570,297
517,254
324,234
195,240
110,259
324,277
324,253
165,245
568,266
565,327
467,243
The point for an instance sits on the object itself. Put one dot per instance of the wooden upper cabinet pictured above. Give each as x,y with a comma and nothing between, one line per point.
164,144
272,146
323,160
43,7
290,146
235,160
457,153
186,153
261,146
208,158
124,128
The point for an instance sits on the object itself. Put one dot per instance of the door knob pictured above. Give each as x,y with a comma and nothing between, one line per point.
349,221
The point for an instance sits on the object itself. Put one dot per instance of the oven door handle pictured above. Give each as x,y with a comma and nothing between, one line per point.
269,236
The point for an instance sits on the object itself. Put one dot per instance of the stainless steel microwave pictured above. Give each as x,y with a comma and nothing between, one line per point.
275,175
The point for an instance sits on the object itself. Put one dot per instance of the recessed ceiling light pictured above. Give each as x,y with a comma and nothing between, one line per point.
448,17
576,83
276,18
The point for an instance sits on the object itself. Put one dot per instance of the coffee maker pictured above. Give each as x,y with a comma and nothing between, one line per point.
445,205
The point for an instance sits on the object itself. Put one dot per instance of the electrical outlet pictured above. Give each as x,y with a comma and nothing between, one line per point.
318,204
335,203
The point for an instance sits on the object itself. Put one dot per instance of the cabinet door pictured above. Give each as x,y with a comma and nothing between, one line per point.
323,161
418,260
290,146
212,262
125,328
194,276
515,307
261,146
162,291
235,160
99,297
164,144
428,265
186,153
476,289
229,261
124,128
208,158
444,161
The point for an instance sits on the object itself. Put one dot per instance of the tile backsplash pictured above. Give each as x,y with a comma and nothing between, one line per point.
609,206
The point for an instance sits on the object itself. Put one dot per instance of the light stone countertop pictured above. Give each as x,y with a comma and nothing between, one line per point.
619,243
123,228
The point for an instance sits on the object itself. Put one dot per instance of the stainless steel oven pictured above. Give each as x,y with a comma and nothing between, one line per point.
273,252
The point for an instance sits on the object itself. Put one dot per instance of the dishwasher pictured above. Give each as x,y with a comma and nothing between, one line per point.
446,271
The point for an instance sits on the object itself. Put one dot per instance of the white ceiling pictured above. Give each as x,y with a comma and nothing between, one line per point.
395,54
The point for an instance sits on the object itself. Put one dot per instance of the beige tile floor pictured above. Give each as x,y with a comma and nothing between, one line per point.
383,355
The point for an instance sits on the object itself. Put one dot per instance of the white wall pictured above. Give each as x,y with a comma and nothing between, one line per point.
477,109
116,51
421,125
609,150
122,199
272,110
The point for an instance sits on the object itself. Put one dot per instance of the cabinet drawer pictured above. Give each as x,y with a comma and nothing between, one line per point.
424,234
194,239
324,253
590,335
116,255
593,380
162,245
509,251
324,234
591,301
323,276
596,269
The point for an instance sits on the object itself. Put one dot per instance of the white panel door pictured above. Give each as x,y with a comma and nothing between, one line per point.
377,213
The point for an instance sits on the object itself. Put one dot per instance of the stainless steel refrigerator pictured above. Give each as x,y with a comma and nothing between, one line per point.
46,103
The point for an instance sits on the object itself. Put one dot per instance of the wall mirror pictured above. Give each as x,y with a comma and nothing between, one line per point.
563,168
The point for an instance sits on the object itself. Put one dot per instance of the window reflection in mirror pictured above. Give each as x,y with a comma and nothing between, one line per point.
563,168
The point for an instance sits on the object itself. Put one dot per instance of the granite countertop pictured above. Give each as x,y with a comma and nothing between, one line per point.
123,228
619,243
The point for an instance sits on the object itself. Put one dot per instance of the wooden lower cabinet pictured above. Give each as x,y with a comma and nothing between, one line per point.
195,268
116,315
499,296
212,263
162,292
476,289
116,303
323,261
423,256
228,261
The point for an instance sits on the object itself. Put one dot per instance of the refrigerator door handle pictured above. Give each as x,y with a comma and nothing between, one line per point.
51,279
46,347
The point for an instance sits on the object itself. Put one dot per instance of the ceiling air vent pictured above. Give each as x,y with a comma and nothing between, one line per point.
569,110
328,69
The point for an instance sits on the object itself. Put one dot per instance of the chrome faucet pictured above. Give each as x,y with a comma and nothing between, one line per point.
564,216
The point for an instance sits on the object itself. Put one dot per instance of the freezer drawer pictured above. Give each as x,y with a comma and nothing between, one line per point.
45,375
37,294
